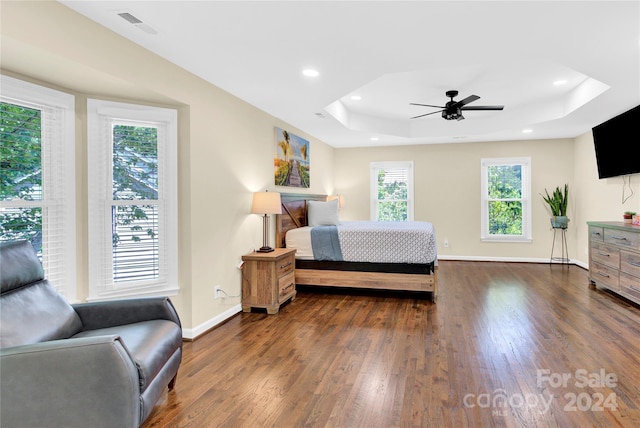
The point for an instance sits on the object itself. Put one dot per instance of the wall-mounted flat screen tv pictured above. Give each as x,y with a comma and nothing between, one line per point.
617,141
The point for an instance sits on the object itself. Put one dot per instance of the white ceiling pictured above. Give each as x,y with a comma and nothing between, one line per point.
392,53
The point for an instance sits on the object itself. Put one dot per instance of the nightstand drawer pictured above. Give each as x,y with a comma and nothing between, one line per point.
622,238
630,263
604,275
285,265
286,286
605,254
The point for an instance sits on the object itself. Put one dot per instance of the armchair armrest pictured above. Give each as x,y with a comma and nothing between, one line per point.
112,313
72,382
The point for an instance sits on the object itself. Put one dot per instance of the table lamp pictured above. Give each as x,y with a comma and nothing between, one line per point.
266,203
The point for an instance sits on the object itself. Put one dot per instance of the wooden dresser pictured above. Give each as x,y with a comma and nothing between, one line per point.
614,257
268,279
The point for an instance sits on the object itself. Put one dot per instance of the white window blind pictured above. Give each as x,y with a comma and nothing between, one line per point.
132,200
37,159
392,191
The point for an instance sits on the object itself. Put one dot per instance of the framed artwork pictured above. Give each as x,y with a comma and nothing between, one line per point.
291,163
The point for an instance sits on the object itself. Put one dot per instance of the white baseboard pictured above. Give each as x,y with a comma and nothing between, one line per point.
509,259
192,333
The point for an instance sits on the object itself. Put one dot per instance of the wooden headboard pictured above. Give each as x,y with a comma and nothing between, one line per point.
294,214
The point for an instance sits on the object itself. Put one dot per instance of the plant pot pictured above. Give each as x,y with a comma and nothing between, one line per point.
559,221
628,220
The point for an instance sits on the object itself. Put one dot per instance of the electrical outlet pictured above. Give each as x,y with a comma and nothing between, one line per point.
217,292
446,243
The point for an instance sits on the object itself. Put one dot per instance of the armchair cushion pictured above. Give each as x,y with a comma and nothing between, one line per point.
148,342
36,314
19,266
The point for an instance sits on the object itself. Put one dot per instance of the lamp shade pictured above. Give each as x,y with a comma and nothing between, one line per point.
266,203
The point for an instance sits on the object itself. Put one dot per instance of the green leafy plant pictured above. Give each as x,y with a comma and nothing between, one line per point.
557,201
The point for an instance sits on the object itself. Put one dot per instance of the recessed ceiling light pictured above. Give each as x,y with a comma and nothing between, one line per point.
527,131
374,138
356,97
559,82
310,72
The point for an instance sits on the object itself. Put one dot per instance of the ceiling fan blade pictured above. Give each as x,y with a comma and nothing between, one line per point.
425,105
469,99
427,114
483,108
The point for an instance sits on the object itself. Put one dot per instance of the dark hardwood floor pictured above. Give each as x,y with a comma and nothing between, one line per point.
506,345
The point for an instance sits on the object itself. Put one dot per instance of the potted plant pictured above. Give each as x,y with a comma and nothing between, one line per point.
628,216
558,202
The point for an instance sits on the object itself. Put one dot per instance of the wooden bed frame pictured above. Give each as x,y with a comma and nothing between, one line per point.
294,215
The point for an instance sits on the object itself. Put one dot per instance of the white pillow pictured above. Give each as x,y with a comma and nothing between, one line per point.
322,213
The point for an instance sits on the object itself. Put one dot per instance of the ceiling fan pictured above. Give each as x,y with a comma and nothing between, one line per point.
453,109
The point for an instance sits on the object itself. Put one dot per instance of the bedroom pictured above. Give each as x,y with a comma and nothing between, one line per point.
214,193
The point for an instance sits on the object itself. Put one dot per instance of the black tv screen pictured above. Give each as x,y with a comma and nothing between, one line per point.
616,142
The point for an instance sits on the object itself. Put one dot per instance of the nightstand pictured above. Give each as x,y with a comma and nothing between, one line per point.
268,279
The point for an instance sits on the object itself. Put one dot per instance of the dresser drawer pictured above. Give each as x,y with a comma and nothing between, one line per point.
622,238
286,286
285,265
604,275
630,263
630,286
605,254
596,233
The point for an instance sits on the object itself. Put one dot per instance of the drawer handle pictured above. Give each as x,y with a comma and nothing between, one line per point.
285,265
634,288
619,238
285,289
637,264
604,254
595,233
603,274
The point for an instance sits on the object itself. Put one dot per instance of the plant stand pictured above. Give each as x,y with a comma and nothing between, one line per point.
564,253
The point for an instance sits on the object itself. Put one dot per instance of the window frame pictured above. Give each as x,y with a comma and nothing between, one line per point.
525,164
377,166
101,116
58,178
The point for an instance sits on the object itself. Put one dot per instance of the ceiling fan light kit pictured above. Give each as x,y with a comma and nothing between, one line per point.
452,110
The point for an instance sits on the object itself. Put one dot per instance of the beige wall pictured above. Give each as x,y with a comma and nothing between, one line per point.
226,146
447,190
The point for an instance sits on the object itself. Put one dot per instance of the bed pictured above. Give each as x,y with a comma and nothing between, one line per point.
417,275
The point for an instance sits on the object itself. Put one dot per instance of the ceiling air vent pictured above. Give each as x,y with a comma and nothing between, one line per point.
137,22
129,18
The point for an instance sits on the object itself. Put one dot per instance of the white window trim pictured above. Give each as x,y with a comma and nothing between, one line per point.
526,236
99,114
373,183
58,158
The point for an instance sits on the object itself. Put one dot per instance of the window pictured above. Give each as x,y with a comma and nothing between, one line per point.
506,201
37,181
392,191
132,200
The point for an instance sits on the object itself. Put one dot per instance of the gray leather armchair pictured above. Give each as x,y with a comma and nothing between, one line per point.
94,364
